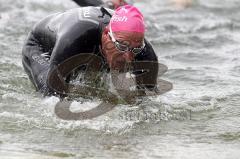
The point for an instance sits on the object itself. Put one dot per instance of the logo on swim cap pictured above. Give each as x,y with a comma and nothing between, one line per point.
127,18
116,18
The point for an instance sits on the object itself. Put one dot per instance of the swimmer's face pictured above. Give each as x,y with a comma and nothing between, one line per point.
120,51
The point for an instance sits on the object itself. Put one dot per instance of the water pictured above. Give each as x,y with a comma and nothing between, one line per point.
199,118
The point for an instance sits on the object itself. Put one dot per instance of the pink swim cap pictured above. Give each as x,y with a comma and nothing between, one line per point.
127,18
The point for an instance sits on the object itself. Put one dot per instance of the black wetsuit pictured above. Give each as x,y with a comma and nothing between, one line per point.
63,35
103,3
85,3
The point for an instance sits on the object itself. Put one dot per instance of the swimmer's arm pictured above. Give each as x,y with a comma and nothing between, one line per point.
84,3
44,37
148,79
73,41
112,4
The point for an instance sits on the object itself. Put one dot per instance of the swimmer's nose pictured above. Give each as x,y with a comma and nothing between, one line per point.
128,56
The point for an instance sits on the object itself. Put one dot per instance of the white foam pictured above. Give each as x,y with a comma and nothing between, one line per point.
80,107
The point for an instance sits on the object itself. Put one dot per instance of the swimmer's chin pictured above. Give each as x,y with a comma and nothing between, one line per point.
119,69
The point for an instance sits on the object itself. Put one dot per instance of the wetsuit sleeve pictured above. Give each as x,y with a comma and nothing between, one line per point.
36,53
79,37
149,61
89,2
105,3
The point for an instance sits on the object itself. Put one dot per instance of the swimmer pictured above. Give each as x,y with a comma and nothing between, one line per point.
116,37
